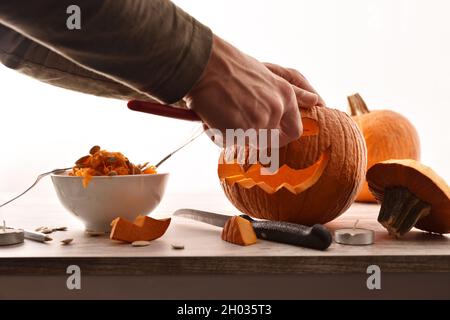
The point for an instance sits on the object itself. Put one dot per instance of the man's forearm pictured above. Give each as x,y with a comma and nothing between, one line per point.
152,46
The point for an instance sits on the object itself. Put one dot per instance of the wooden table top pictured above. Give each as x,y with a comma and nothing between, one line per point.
205,252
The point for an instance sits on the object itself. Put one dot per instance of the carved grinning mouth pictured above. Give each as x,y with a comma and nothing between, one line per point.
293,180
296,181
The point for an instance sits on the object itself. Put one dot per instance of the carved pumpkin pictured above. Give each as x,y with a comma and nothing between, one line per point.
388,135
319,177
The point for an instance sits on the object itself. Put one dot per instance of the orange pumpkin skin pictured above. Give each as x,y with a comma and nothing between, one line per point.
388,135
239,231
323,195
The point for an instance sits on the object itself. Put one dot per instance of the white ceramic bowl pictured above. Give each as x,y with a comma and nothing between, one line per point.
106,198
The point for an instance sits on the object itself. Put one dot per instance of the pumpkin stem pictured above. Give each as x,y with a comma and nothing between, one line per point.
357,105
401,210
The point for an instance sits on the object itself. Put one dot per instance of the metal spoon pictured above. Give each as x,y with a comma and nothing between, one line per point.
39,177
197,133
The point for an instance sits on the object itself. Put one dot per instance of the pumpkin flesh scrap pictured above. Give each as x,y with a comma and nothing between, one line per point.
142,229
238,230
104,163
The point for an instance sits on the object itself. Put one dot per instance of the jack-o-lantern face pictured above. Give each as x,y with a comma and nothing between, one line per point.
319,175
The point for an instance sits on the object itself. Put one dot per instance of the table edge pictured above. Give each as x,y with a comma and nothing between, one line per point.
281,265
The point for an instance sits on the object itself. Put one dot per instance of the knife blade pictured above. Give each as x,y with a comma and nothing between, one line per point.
315,237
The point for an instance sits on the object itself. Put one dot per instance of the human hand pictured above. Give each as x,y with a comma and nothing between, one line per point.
238,92
295,78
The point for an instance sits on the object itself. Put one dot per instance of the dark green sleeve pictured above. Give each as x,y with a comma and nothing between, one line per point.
151,46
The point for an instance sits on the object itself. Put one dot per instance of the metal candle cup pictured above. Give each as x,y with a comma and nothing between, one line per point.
10,236
354,236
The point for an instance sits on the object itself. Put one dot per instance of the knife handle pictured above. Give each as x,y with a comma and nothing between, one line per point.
163,110
315,237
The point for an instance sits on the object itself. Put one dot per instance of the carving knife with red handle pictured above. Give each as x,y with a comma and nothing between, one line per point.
163,110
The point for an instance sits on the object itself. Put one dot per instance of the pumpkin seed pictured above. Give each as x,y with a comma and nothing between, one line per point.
82,160
46,230
135,170
128,164
97,173
142,166
177,246
111,159
94,233
94,150
140,243
66,242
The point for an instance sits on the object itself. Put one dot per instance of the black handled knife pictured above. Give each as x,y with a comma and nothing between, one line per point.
315,237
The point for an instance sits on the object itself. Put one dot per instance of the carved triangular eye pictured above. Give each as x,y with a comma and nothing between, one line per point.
310,127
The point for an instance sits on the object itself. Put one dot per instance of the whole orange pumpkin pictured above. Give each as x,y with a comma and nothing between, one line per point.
388,135
319,177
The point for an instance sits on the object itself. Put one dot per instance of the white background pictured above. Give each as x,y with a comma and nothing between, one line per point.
394,52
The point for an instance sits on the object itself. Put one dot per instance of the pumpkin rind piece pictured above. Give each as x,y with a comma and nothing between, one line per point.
239,231
142,229
419,180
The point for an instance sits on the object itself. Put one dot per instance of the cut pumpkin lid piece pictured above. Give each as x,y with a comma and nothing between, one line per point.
411,195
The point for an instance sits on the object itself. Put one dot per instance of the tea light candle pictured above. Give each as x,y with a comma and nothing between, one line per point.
354,236
10,236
